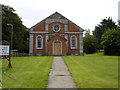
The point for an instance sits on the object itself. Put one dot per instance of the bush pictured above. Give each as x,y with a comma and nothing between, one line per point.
90,44
111,42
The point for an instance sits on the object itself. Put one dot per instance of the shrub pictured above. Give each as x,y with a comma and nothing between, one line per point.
111,42
89,44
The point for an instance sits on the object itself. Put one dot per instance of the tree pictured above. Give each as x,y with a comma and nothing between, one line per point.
101,28
87,32
111,42
89,44
20,33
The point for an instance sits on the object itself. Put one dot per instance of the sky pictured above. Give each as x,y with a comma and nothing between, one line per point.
85,13
119,10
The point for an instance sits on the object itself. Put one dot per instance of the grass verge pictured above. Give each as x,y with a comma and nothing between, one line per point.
93,70
27,72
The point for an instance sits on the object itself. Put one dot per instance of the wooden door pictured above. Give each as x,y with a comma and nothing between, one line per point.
57,48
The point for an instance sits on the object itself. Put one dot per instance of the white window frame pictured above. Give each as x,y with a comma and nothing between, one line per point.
37,42
71,42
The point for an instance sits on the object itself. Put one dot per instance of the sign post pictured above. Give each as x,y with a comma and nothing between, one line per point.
5,52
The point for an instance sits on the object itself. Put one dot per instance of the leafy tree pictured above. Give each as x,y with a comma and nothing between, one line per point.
89,44
20,33
101,28
111,42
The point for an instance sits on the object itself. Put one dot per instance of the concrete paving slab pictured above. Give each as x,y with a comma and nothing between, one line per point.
59,76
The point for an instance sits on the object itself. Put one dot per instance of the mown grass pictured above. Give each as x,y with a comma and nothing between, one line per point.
93,70
27,72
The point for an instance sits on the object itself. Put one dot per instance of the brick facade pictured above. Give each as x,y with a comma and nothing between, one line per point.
38,51
51,34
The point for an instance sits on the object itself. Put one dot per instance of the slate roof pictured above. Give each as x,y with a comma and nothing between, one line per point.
4,42
53,17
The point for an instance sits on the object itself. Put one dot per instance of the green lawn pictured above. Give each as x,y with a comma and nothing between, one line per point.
27,72
93,70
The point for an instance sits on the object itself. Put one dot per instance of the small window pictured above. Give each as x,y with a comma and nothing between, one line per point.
56,28
73,42
39,42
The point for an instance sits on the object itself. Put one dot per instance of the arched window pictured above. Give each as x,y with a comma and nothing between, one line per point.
73,42
39,42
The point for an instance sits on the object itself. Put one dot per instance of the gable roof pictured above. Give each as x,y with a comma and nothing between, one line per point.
4,42
56,15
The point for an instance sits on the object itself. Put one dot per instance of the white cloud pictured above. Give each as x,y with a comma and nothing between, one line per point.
85,13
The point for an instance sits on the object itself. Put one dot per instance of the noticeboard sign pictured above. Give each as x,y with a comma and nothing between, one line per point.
4,49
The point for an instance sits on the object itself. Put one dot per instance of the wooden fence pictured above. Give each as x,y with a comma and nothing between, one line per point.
17,54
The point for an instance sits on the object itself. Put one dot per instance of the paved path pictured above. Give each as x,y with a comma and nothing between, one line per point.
59,75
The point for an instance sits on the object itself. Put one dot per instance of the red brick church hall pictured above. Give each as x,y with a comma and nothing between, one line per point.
56,35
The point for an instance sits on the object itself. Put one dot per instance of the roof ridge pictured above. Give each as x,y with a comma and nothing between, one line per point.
60,15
